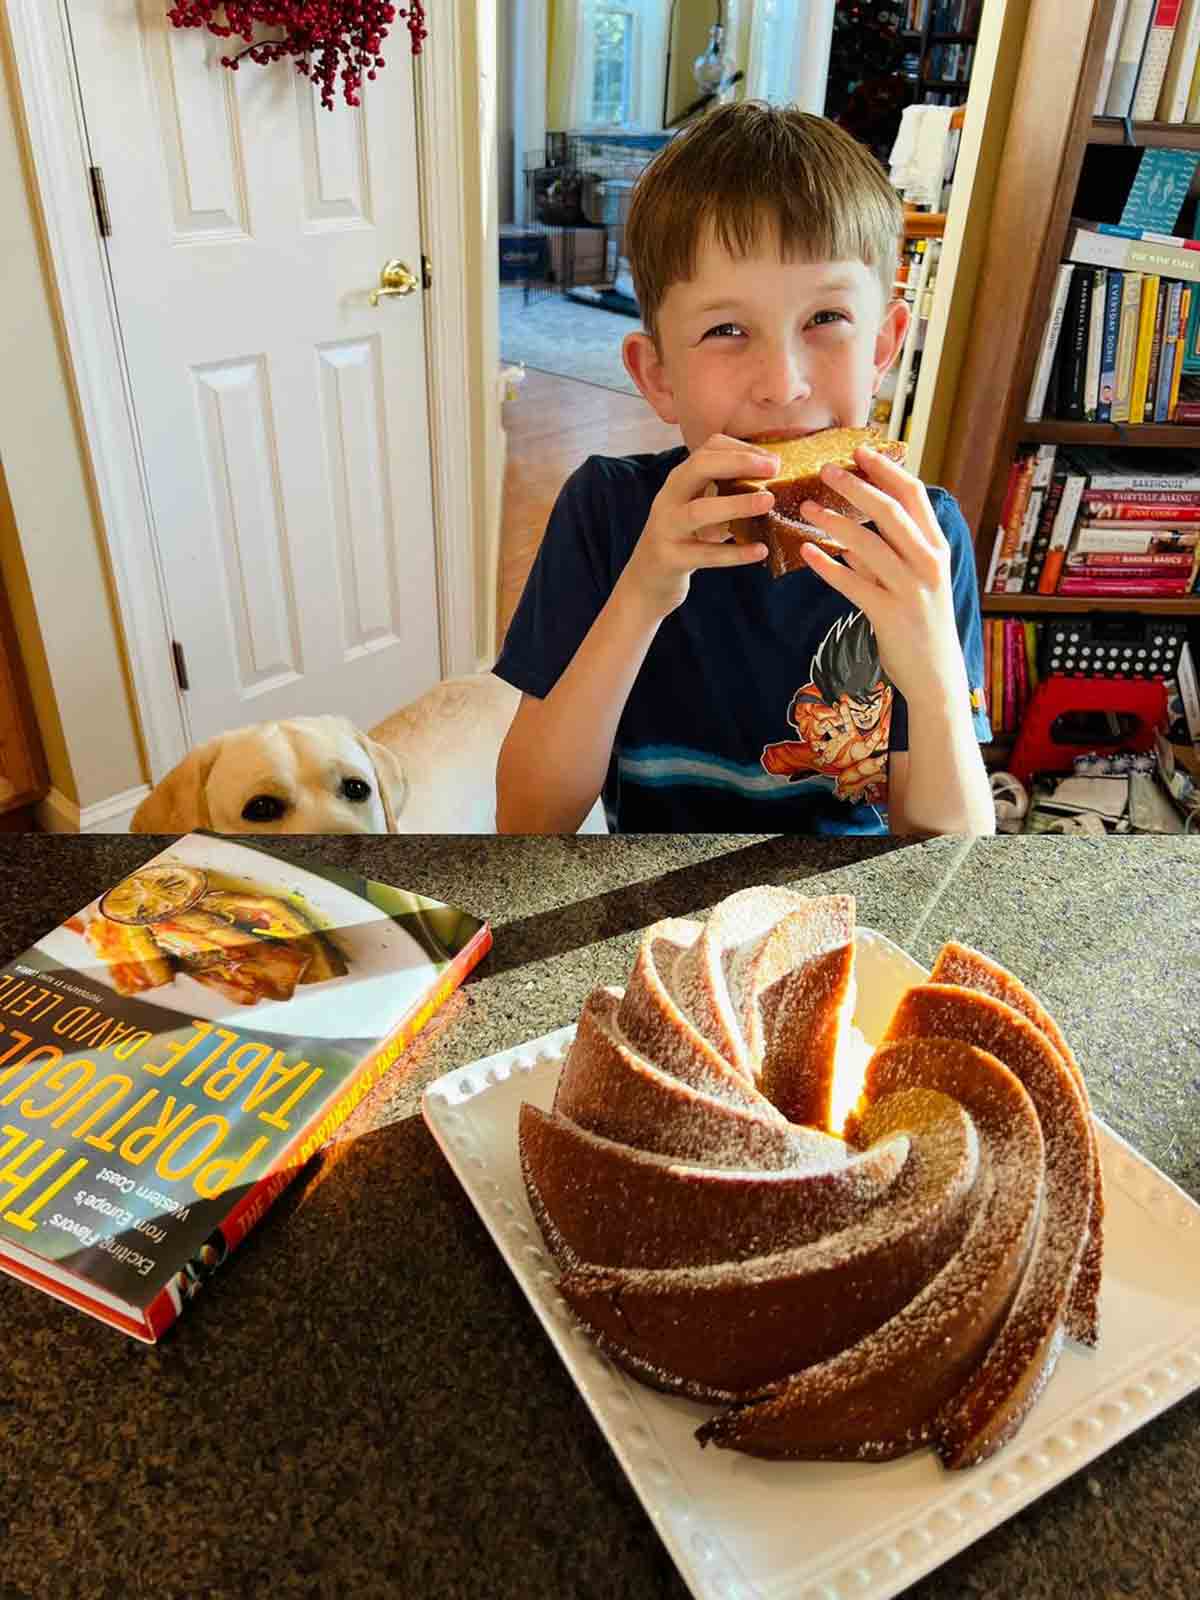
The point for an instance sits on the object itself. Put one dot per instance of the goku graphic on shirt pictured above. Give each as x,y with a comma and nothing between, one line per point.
841,716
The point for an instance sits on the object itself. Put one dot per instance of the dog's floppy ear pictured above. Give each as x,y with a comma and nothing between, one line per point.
389,771
179,804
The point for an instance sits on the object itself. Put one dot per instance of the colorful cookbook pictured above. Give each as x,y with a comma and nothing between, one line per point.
173,1054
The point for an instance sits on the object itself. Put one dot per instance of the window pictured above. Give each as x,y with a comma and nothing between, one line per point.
621,63
614,41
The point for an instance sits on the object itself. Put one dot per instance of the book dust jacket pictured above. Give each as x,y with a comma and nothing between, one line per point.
172,1055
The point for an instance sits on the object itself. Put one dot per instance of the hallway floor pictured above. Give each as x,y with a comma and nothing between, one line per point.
553,425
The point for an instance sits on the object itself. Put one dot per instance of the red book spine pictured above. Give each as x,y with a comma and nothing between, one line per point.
1010,489
1105,507
1117,576
1180,560
1016,501
1143,497
1121,588
257,1201
1010,676
988,632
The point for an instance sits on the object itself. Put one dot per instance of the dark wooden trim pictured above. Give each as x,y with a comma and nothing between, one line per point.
1056,431
22,761
1172,135
1048,604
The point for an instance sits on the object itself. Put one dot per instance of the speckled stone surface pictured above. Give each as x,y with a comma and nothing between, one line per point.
362,1403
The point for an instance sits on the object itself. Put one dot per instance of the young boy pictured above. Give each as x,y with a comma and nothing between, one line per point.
661,663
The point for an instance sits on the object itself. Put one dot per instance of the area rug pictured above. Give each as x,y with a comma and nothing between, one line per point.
554,334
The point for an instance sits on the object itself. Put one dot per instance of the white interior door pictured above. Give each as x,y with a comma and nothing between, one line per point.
282,417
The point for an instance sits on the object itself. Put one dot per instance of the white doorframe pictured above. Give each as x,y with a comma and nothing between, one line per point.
528,99
55,121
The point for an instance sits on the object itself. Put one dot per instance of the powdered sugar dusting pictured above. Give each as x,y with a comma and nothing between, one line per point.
855,1299
958,964
980,1414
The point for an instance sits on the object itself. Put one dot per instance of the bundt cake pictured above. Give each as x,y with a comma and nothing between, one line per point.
852,1272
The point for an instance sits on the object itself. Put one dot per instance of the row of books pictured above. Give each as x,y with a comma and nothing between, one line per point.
1152,62
1010,670
942,97
943,16
1018,654
892,406
1074,523
1123,336
951,63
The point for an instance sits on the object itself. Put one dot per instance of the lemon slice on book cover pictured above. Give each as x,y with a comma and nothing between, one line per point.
152,893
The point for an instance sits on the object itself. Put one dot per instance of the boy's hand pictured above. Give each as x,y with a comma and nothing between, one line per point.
687,525
900,576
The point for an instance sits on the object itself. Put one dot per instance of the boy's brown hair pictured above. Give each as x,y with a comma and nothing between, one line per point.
748,164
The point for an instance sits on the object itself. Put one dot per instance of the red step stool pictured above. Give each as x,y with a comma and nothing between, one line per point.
1037,749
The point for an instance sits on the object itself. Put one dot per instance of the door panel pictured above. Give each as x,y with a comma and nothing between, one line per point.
282,418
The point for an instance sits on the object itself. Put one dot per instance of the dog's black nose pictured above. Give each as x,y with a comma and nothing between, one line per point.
356,789
263,808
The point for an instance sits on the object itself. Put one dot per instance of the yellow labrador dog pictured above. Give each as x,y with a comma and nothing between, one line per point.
428,768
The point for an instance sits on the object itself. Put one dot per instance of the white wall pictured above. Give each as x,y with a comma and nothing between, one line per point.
86,710
49,483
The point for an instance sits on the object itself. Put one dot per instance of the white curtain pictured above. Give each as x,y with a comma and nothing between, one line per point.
529,92
566,84
786,45
652,34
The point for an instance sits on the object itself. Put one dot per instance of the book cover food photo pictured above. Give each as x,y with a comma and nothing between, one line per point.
175,1052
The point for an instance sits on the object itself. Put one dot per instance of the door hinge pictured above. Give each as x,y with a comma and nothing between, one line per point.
426,272
181,677
101,202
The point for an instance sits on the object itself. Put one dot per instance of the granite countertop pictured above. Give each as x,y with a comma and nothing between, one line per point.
362,1403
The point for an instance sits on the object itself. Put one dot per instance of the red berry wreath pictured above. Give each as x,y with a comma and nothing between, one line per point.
328,38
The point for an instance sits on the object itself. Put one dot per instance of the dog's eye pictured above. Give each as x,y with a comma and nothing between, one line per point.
263,808
356,789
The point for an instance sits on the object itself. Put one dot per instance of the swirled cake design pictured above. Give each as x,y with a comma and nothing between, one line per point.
854,1252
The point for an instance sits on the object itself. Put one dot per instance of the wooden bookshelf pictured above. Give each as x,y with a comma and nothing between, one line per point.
1054,605
1180,435
924,224
1168,135
927,37
1050,129
23,778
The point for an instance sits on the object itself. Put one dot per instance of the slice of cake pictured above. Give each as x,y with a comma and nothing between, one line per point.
801,457
956,963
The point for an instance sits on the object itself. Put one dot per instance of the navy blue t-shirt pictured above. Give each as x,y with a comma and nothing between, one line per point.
761,706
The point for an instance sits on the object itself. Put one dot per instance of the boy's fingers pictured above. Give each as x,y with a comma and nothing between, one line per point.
709,509
857,589
899,482
894,506
726,442
871,553
708,465
727,555
866,496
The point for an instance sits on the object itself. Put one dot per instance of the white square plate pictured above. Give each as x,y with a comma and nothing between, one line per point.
738,1527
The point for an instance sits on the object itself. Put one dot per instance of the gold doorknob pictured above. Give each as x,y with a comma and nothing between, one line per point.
394,279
